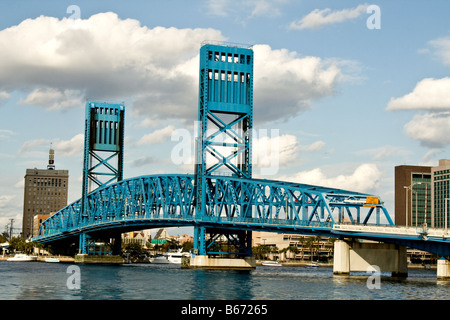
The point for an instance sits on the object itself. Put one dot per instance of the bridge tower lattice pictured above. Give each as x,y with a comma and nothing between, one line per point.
224,143
103,153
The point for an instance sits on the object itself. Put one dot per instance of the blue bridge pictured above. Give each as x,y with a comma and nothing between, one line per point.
217,205
236,204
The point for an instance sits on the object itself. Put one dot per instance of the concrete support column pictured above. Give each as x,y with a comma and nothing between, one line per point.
443,269
341,260
362,256
402,263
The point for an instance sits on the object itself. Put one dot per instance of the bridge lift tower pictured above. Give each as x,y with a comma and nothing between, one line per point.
224,142
103,155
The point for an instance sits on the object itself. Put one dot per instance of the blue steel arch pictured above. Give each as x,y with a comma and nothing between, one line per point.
234,204
236,201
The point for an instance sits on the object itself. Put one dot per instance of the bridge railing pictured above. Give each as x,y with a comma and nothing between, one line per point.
146,199
396,229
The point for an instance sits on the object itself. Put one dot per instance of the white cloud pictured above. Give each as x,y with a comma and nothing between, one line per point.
431,158
4,96
6,200
54,99
32,144
68,148
384,152
431,129
319,18
280,150
285,83
365,178
274,151
6,134
315,146
429,94
156,136
59,66
103,57
65,148
442,49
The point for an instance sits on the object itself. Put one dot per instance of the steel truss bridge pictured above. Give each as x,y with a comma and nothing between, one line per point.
231,205
236,204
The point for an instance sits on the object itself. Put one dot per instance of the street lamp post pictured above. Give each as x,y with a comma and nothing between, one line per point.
406,209
406,203
446,200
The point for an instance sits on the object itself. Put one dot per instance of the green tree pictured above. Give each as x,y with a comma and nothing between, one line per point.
312,242
19,244
260,251
188,245
134,249
292,249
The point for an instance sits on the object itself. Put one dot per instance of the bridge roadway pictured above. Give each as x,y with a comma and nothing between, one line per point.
234,203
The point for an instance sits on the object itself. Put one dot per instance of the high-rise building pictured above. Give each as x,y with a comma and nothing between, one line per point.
413,192
441,193
422,193
45,192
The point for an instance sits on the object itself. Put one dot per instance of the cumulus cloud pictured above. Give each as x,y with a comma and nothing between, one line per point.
68,148
429,94
157,136
64,148
103,57
54,99
275,150
365,178
319,18
285,83
431,129
59,64
271,152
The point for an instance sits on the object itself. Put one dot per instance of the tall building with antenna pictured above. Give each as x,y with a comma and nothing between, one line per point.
45,192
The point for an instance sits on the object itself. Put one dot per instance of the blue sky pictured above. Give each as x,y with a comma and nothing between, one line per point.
349,102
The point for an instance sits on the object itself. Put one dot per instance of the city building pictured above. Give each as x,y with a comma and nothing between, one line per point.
37,220
413,190
294,246
421,192
441,194
137,237
45,191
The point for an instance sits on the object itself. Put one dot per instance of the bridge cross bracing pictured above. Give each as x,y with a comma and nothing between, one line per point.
233,203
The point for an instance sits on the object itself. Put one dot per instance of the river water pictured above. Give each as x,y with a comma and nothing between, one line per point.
61,281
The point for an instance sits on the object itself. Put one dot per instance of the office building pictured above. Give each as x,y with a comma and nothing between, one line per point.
441,194
45,192
412,195
421,192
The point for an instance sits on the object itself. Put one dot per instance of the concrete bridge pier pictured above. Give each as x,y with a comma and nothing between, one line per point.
204,256
356,256
443,269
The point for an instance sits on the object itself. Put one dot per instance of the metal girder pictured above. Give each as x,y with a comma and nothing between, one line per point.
233,204
240,201
103,144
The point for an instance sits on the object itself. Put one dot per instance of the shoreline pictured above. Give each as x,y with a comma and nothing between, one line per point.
68,259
